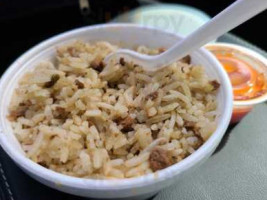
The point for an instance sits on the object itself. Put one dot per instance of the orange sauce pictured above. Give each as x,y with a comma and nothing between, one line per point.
247,82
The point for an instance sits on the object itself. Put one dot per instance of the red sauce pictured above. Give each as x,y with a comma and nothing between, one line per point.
247,82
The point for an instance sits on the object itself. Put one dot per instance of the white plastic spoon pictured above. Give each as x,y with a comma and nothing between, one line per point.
234,15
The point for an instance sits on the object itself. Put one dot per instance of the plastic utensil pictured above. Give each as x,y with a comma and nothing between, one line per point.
234,15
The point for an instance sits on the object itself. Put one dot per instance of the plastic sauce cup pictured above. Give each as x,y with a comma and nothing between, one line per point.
244,67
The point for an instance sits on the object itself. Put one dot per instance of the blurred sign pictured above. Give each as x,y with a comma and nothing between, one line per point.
174,18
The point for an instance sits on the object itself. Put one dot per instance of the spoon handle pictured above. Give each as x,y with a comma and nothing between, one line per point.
234,15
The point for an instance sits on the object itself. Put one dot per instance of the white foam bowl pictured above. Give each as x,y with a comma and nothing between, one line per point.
132,188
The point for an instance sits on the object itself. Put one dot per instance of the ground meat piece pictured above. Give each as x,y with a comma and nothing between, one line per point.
53,95
26,103
186,59
189,124
79,84
90,123
14,114
127,129
81,112
122,61
112,85
135,149
73,52
198,135
126,123
162,49
52,82
98,65
42,163
155,134
60,113
215,84
159,159
152,95
20,111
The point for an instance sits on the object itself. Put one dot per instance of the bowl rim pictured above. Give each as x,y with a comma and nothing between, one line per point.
128,183
255,55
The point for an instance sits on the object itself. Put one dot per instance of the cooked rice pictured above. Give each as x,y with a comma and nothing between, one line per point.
80,118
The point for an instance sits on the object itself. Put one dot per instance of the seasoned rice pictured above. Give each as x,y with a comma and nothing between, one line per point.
78,117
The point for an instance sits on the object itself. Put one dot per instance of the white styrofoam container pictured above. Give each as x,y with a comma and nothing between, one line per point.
132,188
